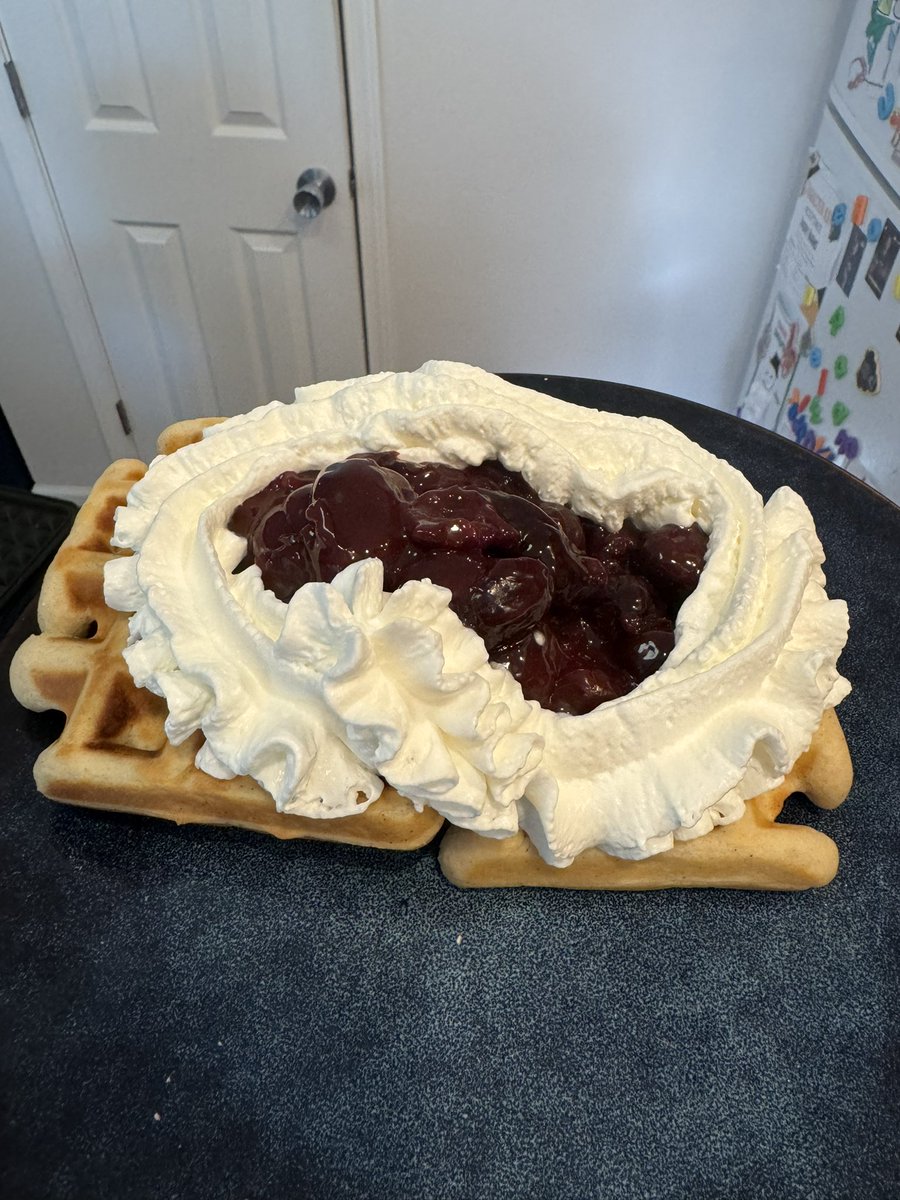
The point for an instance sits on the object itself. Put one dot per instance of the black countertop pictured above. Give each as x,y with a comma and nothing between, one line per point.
196,1012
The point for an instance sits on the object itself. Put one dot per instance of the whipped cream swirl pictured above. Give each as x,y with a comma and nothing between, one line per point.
346,686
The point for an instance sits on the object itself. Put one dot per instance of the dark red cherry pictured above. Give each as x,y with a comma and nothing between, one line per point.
541,537
357,512
568,522
425,477
296,504
511,598
246,516
461,573
584,642
647,651
615,548
274,531
635,603
458,518
535,659
673,556
286,569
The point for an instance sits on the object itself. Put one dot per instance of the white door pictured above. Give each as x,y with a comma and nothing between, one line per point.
585,188
174,132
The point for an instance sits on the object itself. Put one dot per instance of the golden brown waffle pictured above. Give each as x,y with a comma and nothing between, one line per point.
113,752
755,852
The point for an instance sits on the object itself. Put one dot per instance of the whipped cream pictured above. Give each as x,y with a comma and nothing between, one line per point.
324,698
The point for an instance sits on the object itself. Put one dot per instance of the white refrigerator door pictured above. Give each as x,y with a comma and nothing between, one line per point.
865,90
827,366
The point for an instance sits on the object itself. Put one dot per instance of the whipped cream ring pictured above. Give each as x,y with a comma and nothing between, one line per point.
318,701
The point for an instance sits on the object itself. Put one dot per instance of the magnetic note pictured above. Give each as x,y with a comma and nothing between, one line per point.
776,353
884,258
846,275
809,257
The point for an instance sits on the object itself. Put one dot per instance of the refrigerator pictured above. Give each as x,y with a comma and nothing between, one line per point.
825,370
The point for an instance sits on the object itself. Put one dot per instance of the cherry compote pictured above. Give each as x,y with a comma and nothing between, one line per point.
578,613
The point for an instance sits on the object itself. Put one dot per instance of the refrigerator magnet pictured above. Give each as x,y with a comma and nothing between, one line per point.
849,267
839,413
868,375
847,445
884,258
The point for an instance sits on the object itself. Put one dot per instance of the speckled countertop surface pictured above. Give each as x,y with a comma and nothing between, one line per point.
192,1013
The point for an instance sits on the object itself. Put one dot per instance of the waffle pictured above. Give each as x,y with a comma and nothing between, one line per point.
757,852
113,752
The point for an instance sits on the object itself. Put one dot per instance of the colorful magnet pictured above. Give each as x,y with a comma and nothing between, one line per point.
873,230
815,357
868,377
836,320
885,104
803,404
841,366
839,412
809,297
815,411
897,287
853,253
839,215
860,208
847,445
823,383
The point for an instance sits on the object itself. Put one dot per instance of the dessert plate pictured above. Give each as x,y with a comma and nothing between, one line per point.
200,1011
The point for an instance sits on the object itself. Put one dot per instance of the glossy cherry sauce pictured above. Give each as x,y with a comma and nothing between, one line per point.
579,614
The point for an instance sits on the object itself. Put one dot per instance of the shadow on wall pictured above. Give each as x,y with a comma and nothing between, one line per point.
13,472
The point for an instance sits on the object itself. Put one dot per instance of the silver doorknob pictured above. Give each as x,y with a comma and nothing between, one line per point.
315,191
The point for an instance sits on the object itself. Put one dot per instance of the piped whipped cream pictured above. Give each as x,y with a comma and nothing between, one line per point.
324,698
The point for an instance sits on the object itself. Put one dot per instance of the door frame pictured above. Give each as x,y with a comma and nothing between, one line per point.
362,74
32,183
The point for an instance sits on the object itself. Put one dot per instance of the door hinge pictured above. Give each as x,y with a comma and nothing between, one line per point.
123,417
17,90
351,180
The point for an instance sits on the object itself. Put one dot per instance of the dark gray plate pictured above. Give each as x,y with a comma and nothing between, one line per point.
209,1013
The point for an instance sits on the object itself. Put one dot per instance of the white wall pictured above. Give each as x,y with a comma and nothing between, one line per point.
586,188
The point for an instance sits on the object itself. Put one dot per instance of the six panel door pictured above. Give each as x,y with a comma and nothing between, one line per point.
174,134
